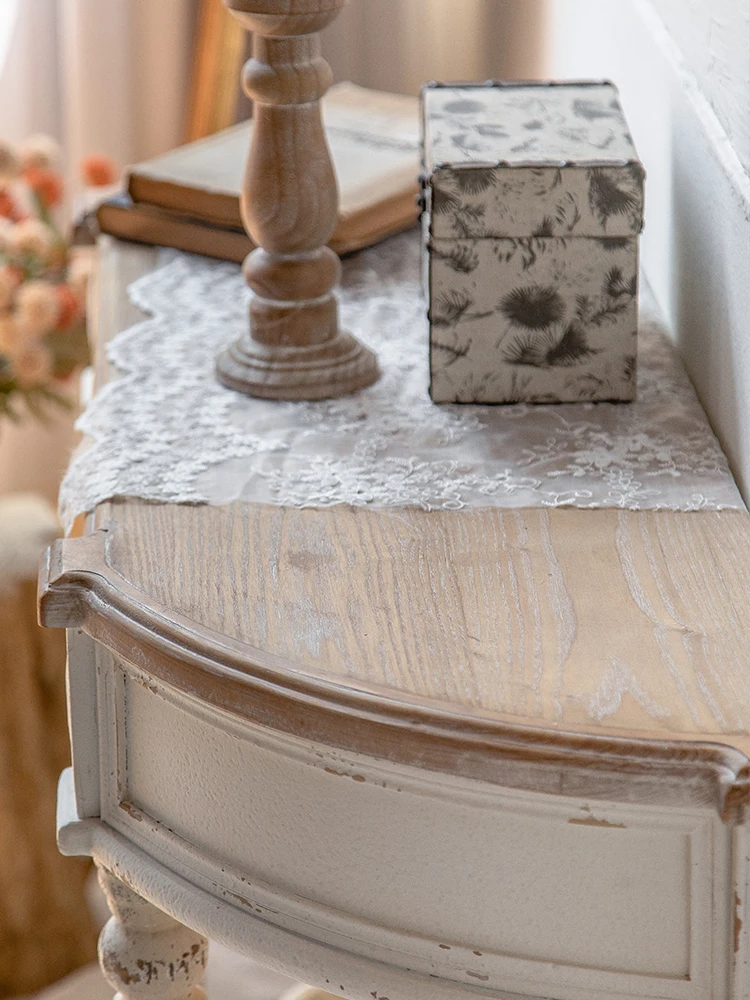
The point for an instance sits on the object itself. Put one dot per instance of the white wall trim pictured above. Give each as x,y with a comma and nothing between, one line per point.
715,131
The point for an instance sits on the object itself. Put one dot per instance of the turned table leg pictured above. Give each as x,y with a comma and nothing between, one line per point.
145,954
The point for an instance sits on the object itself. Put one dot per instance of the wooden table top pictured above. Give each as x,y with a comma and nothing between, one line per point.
626,628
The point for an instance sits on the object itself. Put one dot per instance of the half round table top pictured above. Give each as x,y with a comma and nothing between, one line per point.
456,640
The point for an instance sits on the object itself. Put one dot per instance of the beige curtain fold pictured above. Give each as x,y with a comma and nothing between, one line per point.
400,44
125,75
101,75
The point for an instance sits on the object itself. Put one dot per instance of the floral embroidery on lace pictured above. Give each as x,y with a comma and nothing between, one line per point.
166,430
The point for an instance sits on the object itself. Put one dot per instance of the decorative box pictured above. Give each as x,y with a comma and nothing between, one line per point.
533,204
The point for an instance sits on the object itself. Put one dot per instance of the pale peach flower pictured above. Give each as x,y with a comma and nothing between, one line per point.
31,236
39,151
10,166
37,309
32,365
38,300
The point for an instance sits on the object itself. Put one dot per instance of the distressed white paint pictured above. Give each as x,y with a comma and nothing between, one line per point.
145,954
82,688
741,943
393,878
690,127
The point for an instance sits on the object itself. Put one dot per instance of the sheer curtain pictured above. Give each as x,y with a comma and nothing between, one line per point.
400,44
100,75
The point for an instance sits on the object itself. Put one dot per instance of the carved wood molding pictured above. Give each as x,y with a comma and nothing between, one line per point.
78,589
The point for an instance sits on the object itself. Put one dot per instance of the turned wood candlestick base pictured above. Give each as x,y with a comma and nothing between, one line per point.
294,348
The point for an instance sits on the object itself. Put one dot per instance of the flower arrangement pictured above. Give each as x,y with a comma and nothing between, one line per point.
42,280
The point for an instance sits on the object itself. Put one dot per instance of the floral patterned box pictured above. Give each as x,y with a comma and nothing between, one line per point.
533,198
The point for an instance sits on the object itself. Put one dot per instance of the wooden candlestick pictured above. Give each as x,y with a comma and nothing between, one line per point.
294,349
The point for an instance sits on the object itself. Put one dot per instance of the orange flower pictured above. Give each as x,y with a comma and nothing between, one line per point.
68,306
37,309
47,184
98,170
8,208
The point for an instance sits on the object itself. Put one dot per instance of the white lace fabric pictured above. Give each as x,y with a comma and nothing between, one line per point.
166,430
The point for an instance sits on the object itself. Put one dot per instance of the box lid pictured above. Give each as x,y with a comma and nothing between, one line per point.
523,159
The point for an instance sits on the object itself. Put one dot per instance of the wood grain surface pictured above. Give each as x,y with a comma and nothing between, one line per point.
602,621
595,620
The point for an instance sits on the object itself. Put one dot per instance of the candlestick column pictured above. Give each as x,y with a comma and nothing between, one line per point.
294,348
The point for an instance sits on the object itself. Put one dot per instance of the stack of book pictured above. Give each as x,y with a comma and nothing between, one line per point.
189,198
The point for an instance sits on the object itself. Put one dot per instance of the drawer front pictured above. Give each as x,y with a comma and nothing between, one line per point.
475,884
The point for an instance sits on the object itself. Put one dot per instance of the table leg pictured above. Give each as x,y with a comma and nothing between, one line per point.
145,954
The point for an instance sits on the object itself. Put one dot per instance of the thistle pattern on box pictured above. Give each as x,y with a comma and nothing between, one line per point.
533,204
534,320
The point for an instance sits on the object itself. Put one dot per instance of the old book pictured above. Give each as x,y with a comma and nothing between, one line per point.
122,218
374,139
143,223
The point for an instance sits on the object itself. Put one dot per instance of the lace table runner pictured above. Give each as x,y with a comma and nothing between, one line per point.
166,430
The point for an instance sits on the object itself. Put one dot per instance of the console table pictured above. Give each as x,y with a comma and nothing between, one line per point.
402,755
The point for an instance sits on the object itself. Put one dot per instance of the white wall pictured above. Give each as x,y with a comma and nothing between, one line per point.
683,67
714,39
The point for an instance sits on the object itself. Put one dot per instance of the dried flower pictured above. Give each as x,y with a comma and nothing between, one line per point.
39,151
98,170
31,366
42,327
30,237
9,207
37,309
9,164
69,306
46,184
